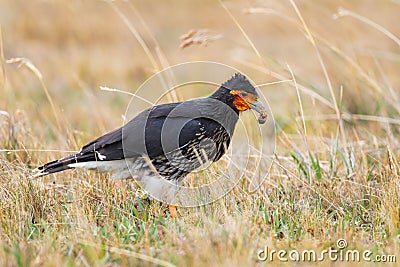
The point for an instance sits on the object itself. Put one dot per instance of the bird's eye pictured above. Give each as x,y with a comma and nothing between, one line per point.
244,94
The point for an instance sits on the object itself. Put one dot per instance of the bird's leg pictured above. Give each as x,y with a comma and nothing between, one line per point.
172,211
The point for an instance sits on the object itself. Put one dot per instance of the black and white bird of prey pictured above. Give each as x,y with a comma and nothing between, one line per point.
168,141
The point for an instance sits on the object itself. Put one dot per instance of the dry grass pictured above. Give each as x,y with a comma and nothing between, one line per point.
336,169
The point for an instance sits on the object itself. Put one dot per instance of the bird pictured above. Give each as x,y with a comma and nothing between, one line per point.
166,142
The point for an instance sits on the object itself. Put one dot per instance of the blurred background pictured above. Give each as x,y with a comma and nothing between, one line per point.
80,45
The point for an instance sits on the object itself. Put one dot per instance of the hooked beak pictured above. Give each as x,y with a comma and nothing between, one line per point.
259,107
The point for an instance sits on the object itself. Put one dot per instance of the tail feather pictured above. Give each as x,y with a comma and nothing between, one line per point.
67,163
54,166
105,148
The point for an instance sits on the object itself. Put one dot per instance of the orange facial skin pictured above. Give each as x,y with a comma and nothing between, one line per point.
242,99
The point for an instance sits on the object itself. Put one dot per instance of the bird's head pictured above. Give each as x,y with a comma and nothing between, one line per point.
241,95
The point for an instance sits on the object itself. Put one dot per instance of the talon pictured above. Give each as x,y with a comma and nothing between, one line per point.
172,211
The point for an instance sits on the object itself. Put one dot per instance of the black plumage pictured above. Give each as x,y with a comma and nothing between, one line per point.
168,140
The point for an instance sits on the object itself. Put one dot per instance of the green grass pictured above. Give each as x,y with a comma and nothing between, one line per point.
331,177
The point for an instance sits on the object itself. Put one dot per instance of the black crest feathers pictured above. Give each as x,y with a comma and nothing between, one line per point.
239,82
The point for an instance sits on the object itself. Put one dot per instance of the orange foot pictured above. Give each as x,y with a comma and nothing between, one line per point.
172,211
